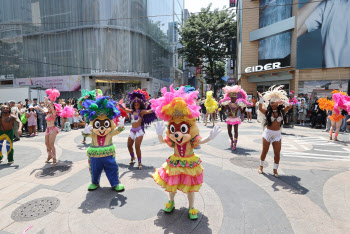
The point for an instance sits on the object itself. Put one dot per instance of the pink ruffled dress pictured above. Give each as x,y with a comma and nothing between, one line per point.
182,170
233,120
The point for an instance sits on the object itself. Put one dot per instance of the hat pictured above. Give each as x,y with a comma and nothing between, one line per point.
30,106
12,101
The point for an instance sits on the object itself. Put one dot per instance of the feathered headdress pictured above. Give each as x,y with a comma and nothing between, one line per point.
53,94
341,101
137,96
235,91
210,104
188,89
102,106
92,96
143,92
276,93
176,104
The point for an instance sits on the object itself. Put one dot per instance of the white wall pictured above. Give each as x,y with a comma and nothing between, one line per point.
16,94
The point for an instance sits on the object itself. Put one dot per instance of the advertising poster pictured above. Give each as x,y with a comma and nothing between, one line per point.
321,88
62,83
323,34
276,48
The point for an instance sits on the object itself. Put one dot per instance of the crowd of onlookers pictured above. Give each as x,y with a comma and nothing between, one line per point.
33,118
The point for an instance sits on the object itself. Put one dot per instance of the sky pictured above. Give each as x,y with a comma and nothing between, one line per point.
196,5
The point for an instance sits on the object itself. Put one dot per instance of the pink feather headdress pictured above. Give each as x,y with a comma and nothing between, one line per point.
341,101
176,104
53,94
241,95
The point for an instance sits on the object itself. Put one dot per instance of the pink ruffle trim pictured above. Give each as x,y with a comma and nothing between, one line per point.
180,179
233,121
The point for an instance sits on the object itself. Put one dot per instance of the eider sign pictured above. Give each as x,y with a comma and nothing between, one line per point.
268,66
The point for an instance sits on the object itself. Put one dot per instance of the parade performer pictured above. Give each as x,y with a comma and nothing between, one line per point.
67,112
52,110
182,170
235,99
101,153
339,102
273,106
211,105
141,115
88,95
6,131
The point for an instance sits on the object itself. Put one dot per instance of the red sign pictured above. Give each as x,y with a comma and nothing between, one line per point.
199,70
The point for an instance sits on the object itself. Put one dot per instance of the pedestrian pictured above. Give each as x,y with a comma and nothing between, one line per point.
182,170
7,131
254,107
22,114
302,111
235,99
272,113
15,111
141,115
249,110
41,117
76,119
203,110
222,112
32,121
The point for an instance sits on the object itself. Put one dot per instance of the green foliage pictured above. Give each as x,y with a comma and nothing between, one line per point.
205,39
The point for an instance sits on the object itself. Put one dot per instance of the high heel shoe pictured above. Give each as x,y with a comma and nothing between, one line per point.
54,161
275,173
48,159
260,171
140,166
132,160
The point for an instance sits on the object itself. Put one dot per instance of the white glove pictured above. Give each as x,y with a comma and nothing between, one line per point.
159,128
121,122
87,129
213,133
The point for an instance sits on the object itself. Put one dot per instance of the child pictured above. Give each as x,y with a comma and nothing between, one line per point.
32,123
76,119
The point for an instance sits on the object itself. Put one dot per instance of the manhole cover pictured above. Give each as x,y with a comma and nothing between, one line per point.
247,162
54,171
35,209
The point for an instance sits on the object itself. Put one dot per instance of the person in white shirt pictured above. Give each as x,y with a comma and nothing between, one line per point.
332,17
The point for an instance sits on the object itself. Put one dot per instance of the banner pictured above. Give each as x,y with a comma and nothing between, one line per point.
62,83
323,34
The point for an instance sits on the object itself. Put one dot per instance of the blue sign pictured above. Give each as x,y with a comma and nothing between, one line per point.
225,78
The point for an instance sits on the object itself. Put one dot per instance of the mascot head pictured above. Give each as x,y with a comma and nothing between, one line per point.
100,113
180,110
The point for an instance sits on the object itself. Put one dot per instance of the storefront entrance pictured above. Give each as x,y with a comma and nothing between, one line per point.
117,89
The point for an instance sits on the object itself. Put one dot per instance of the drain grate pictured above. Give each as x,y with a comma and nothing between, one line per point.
247,162
54,171
35,209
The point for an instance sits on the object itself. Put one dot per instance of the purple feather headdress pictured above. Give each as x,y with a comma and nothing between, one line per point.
138,96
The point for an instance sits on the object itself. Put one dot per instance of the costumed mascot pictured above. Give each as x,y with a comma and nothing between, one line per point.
182,170
235,100
101,152
211,105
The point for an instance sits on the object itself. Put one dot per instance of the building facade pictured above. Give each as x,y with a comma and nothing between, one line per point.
293,43
114,45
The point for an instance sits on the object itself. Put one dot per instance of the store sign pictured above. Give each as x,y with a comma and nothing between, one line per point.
101,71
232,63
175,32
232,3
61,83
7,77
268,66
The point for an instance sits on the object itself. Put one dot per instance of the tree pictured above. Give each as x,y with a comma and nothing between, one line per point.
205,39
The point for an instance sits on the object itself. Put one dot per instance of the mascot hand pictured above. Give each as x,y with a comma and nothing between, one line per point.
159,128
121,122
87,129
216,130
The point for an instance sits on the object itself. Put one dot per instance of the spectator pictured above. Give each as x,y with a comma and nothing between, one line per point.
41,117
302,112
14,111
254,105
76,119
31,120
222,112
204,110
249,111
344,125
328,123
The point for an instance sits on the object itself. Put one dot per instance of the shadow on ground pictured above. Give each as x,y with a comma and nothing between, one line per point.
179,222
137,174
101,199
287,182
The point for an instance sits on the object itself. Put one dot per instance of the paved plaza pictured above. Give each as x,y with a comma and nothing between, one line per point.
312,194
